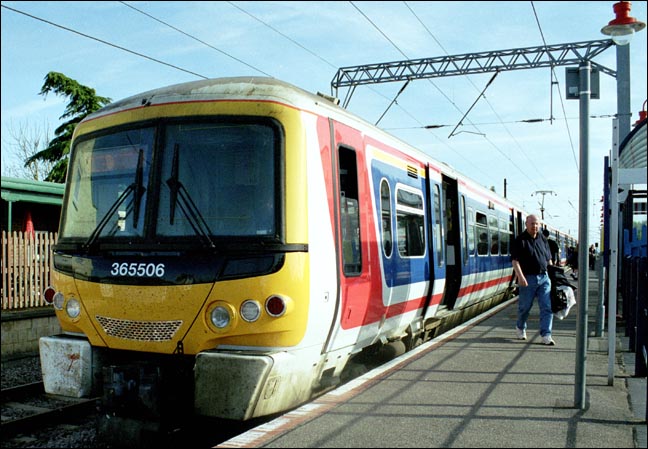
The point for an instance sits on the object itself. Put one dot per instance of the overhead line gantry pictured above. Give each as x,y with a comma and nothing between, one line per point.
470,63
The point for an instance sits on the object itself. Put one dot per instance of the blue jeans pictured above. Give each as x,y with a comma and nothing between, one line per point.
540,287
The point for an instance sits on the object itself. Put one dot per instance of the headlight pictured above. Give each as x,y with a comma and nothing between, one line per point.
220,317
73,308
250,310
58,301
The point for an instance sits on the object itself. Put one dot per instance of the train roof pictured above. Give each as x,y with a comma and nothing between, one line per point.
271,89
243,87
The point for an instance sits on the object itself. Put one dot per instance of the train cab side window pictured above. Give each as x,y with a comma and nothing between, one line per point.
481,226
350,213
494,235
386,214
470,225
410,222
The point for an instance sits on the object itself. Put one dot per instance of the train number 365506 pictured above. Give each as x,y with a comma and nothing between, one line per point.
137,269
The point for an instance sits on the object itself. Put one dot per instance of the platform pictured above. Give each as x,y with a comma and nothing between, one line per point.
477,386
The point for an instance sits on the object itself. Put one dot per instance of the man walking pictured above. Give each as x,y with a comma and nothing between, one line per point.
530,255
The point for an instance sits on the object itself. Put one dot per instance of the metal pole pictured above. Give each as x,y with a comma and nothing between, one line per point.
584,71
623,128
600,308
624,114
614,248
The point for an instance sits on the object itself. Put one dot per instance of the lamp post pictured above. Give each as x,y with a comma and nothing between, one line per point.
622,28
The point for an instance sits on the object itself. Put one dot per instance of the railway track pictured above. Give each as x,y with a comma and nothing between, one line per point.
28,408
33,418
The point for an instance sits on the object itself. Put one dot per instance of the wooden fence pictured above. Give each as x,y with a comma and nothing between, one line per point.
26,265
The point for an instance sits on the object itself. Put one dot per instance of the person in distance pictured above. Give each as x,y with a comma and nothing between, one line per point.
553,247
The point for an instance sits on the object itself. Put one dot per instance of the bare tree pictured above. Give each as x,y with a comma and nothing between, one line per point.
25,141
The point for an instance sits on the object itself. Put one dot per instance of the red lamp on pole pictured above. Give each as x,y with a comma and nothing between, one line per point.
623,27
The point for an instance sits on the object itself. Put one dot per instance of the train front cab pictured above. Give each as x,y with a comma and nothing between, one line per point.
246,367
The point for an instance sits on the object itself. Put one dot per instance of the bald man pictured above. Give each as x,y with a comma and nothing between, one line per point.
530,255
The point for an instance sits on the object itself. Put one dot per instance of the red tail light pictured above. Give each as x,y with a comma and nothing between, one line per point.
275,306
48,295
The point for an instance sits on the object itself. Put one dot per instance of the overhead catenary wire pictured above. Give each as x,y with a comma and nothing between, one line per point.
119,47
489,141
452,133
195,38
526,120
553,71
469,79
406,112
303,47
562,105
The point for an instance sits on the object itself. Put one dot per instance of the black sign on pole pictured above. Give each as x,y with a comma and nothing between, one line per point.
572,83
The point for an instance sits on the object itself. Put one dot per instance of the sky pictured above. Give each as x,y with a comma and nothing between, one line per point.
123,48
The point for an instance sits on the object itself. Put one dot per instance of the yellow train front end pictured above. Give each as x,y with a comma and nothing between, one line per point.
181,278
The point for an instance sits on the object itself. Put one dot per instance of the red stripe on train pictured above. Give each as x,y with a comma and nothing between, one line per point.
484,285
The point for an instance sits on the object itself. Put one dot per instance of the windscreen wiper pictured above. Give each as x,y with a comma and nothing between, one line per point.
137,188
187,205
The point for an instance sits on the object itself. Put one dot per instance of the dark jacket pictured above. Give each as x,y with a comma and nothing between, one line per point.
533,254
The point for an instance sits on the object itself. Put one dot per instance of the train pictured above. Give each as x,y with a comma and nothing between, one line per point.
233,247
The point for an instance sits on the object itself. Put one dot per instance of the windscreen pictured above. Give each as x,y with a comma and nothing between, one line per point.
108,178
189,180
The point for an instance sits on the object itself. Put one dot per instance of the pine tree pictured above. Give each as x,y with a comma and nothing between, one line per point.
83,101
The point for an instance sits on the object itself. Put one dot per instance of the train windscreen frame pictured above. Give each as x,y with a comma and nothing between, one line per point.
190,180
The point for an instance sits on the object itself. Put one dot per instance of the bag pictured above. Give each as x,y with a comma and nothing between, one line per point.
565,300
558,299
562,292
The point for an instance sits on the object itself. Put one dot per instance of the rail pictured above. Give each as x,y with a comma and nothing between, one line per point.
27,407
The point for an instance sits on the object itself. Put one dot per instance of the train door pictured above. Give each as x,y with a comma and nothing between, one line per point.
435,243
451,240
354,232
519,224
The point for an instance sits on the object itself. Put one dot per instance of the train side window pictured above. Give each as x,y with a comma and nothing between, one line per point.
481,226
494,235
505,237
471,231
438,248
410,221
386,214
464,236
350,212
